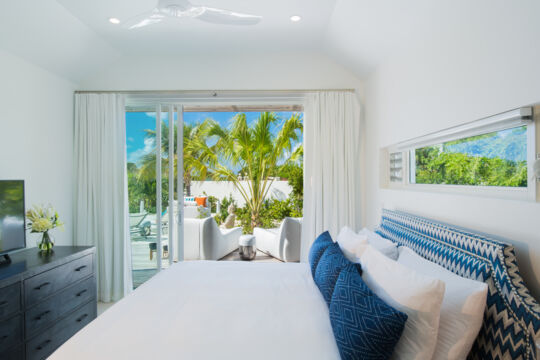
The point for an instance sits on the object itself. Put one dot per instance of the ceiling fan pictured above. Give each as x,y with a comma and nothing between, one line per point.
184,9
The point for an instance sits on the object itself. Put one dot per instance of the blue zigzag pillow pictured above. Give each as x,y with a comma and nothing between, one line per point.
317,249
328,269
364,326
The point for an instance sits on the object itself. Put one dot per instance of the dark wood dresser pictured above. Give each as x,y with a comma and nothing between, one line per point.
45,299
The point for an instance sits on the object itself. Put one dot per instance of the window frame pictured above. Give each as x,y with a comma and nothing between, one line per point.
519,117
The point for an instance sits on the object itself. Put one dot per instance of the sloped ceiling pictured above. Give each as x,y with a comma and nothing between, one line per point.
44,33
74,39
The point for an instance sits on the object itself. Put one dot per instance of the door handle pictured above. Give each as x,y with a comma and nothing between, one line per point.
42,286
41,315
43,344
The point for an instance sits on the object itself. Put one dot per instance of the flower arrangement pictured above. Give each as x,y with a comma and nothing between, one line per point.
42,219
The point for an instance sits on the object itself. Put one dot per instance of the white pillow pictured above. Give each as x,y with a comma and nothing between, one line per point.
462,310
408,291
349,242
385,246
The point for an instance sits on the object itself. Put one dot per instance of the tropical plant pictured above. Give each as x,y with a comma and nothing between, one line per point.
193,170
434,166
253,151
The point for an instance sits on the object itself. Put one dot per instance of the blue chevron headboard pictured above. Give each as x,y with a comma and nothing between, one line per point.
511,328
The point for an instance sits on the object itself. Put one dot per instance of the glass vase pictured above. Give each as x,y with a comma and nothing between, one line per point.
46,244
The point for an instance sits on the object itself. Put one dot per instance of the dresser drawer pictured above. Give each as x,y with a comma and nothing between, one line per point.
10,299
40,286
10,333
46,312
44,344
16,353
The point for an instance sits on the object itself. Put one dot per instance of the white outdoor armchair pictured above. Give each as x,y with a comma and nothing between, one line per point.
282,243
204,240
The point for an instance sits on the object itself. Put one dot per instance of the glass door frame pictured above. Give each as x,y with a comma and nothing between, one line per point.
242,100
179,184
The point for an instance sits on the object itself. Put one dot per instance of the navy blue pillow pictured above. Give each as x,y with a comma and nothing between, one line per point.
317,249
364,326
328,269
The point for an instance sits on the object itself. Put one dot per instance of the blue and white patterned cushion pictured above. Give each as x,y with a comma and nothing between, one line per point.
364,326
328,269
512,316
317,249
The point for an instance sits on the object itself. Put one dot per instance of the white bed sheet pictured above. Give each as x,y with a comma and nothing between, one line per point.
213,310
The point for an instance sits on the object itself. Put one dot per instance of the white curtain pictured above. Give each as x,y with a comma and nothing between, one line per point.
332,156
100,201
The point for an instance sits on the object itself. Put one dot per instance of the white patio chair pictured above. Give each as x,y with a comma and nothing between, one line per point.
204,240
283,243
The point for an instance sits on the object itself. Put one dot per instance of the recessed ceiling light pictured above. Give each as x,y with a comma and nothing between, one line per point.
296,18
114,20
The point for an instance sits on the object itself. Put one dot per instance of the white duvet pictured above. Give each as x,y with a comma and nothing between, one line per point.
213,310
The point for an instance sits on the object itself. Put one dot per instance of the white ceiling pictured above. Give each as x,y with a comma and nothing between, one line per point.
74,38
187,36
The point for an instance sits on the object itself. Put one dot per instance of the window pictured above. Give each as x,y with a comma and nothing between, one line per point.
396,167
495,159
491,156
242,166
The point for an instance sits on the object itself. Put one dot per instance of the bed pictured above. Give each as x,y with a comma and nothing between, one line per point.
223,310
213,310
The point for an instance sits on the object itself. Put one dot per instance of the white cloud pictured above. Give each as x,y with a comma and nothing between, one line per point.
164,115
136,155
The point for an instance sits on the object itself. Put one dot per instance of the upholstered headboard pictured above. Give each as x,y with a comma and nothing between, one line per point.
511,328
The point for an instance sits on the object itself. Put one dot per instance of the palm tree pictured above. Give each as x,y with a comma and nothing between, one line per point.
256,151
193,170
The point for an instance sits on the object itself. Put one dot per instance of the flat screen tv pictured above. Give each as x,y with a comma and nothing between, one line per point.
12,232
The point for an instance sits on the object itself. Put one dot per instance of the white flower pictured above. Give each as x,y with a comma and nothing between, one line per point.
41,225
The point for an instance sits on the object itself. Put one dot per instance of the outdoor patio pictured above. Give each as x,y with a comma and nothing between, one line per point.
144,268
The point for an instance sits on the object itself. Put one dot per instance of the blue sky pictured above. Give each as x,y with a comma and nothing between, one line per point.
137,122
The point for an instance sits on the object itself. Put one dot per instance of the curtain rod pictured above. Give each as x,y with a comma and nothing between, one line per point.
158,92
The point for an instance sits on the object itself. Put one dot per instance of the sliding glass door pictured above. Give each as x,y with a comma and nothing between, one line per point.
154,139
212,174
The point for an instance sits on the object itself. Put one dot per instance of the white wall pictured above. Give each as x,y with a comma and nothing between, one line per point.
446,83
220,189
36,135
227,72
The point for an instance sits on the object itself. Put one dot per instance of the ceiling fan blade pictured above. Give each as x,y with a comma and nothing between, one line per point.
145,19
226,17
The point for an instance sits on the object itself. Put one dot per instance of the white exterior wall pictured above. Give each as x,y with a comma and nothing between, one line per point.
278,190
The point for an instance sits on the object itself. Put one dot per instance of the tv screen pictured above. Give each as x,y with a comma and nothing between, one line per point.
12,233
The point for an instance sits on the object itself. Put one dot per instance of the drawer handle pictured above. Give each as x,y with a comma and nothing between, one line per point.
82,318
3,303
81,292
4,337
41,315
80,268
42,286
43,344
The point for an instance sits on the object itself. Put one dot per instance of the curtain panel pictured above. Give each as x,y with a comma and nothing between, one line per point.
101,215
332,160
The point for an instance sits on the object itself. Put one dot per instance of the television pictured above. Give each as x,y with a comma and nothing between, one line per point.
12,216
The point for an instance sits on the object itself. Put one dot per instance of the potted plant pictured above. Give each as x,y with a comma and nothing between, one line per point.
42,219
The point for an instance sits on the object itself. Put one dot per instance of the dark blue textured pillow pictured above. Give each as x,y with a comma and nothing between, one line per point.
317,249
364,326
328,269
